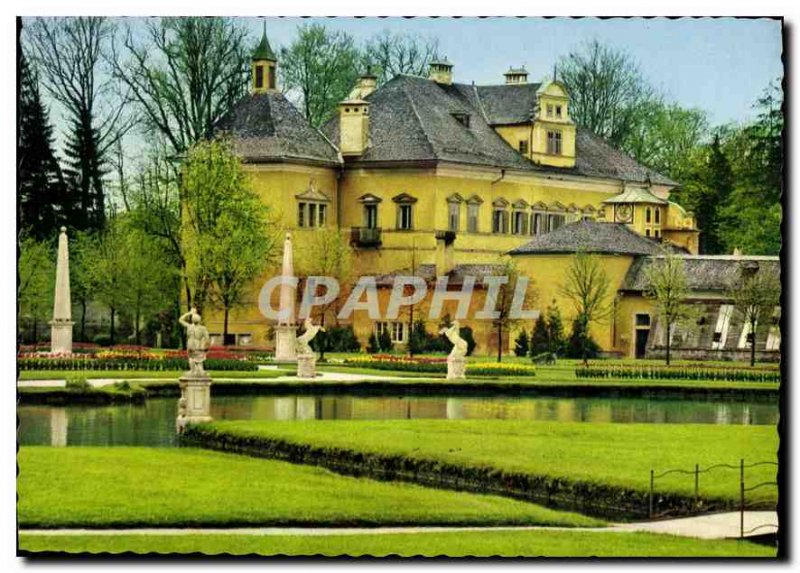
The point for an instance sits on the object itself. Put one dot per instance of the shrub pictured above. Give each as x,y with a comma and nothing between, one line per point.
127,363
374,345
581,342
78,383
539,338
343,339
521,344
102,340
385,341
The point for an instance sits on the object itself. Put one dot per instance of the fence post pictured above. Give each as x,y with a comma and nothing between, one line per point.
696,485
741,499
652,479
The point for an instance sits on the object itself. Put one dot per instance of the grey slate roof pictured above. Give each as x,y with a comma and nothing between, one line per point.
267,127
428,273
411,120
591,237
704,272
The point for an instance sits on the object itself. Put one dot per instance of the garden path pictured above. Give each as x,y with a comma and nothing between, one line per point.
714,526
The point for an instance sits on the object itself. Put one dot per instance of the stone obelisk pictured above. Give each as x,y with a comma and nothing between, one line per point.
61,325
286,331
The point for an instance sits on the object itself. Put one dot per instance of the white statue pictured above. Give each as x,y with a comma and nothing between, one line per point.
197,342
302,345
459,344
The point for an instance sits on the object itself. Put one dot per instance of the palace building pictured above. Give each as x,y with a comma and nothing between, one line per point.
433,177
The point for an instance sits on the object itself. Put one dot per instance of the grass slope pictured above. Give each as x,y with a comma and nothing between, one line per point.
117,487
612,454
460,544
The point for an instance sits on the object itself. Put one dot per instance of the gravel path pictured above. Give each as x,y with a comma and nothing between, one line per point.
715,526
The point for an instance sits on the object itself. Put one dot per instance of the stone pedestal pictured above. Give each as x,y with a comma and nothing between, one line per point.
194,406
285,340
61,336
456,367
306,366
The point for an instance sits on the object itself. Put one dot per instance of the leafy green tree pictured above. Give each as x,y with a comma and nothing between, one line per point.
107,273
581,344
373,344
522,344
226,228
36,281
41,191
586,285
556,338
755,296
667,286
385,341
606,88
321,66
184,74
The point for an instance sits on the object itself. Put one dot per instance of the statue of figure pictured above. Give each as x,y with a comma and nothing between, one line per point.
459,344
197,341
302,344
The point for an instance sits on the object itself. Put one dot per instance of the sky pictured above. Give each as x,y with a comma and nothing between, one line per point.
718,65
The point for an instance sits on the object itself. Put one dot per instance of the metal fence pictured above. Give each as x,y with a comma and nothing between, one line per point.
698,502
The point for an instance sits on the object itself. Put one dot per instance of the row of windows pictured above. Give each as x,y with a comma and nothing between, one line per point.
397,331
557,108
519,223
312,214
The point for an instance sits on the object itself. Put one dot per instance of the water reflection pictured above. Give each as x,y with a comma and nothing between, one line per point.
153,423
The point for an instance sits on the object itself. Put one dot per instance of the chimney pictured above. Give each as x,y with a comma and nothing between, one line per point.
353,127
441,71
516,76
445,252
367,83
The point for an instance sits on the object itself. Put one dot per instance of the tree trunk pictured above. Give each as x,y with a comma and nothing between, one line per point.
499,342
35,330
225,327
753,344
668,341
113,315
83,320
137,330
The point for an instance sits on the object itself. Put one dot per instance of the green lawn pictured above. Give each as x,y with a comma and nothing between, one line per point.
454,544
121,486
611,454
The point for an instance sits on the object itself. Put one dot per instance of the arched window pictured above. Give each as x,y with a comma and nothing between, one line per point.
658,215
647,215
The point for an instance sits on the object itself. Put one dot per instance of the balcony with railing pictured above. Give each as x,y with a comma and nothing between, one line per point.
365,237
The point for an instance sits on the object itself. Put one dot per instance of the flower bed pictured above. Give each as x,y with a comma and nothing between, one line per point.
124,361
681,372
437,366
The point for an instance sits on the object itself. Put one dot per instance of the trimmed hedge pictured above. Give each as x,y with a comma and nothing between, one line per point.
681,372
439,366
94,364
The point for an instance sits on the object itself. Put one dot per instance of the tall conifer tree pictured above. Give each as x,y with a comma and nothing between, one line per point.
41,193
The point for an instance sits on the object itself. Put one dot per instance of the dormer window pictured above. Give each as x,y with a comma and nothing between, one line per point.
259,77
523,146
549,110
558,111
462,118
554,142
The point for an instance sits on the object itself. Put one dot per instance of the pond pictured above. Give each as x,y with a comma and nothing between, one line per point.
153,424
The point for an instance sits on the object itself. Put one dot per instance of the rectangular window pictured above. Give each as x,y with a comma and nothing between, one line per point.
519,223
371,216
721,328
549,110
658,215
404,221
453,215
272,83
774,334
472,217
555,221
523,146
301,214
244,339
323,215
642,320
558,111
554,142
536,225
500,221
397,330
647,232
259,76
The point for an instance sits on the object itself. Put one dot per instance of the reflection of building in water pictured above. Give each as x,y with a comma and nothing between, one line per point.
723,414
398,408
336,408
295,408
58,427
